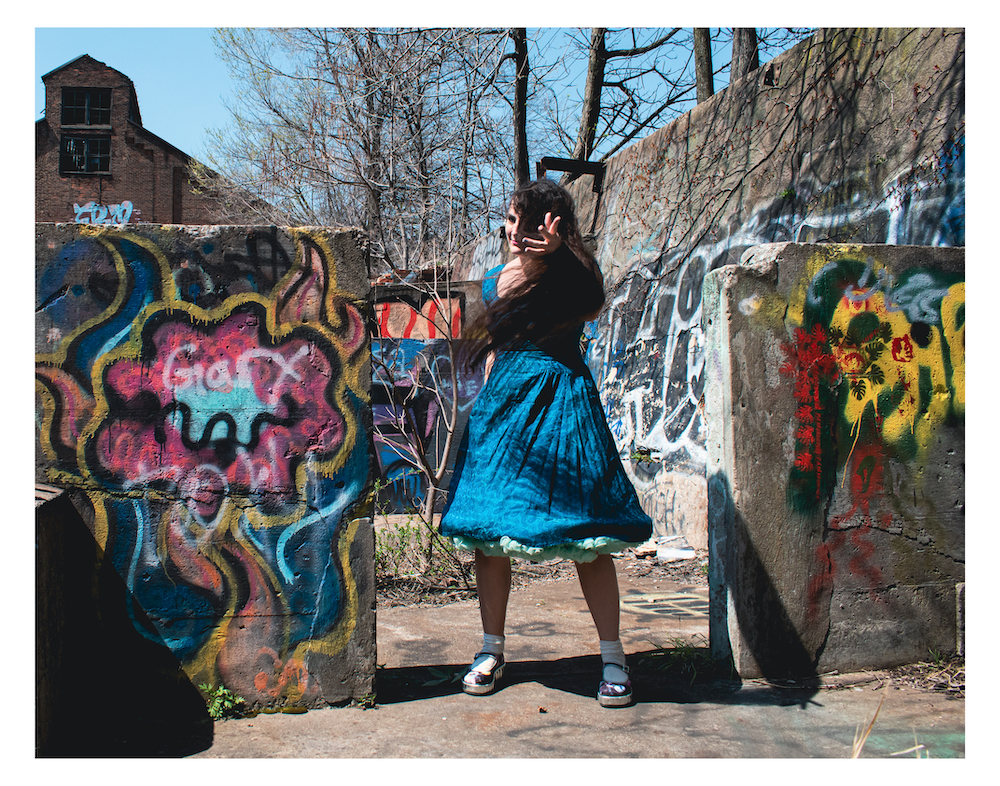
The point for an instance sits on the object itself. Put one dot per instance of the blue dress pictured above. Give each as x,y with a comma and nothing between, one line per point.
538,474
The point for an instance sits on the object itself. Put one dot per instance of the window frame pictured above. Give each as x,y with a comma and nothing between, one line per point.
92,104
88,155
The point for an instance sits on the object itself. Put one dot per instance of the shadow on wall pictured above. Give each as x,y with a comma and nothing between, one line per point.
101,688
763,637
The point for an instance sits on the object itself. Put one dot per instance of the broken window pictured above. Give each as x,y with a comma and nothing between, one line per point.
85,154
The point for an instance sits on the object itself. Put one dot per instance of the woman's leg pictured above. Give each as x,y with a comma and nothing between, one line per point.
600,587
493,586
599,583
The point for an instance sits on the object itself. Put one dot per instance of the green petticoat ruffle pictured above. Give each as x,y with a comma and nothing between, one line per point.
586,550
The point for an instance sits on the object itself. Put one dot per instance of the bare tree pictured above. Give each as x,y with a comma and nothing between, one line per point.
640,79
703,63
418,135
590,113
745,55
622,110
372,127
432,375
519,36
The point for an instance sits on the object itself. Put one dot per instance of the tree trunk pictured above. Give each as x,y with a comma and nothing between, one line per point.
592,95
703,63
366,53
520,38
463,218
745,57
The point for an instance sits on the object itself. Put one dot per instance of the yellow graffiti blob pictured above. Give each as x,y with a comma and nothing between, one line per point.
797,297
900,365
952,306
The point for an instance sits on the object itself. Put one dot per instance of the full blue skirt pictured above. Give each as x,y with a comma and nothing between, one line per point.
538,474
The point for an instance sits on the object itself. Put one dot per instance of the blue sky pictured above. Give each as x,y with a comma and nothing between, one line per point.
179,79
181,82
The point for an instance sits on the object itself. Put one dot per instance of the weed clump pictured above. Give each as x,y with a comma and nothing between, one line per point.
221,702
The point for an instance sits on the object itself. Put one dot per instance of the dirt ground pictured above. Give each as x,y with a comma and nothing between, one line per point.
943,676
418,590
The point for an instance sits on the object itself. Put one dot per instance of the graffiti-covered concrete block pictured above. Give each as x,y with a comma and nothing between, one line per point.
205,391
835,406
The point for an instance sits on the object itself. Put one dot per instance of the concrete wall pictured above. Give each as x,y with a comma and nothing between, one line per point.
835,405
851,136
203,392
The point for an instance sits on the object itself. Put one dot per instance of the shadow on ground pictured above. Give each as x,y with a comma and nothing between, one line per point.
653,681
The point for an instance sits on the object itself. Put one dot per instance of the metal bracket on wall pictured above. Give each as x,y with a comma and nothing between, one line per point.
573,166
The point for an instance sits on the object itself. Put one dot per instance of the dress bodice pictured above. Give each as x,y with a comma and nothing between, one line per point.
489,293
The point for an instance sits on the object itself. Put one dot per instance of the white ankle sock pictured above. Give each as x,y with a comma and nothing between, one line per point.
613,657
493,644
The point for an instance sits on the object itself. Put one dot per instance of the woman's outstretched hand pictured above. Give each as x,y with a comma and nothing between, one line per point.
549,240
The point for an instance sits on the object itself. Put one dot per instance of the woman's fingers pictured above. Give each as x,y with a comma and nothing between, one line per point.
550,240
551,225
547,239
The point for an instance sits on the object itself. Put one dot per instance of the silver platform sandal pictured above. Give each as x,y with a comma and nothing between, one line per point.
481,678
615,694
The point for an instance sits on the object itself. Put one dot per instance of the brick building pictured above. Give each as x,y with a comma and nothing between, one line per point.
95,163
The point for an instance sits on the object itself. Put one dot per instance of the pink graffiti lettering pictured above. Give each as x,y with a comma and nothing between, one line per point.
219,412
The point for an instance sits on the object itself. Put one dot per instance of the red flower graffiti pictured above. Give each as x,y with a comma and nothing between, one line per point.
902,349
810,365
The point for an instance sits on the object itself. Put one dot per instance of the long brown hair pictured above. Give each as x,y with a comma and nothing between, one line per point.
558,293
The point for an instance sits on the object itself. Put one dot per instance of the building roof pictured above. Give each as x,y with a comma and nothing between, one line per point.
89,61
76,60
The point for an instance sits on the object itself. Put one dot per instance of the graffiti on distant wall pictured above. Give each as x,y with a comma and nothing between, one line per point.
94,213
411,384
878,366
434,319
486,255
648,352
218,440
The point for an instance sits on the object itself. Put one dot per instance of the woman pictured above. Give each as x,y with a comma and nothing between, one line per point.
538,474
